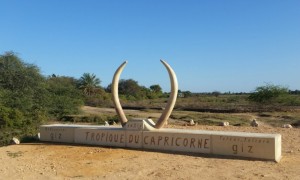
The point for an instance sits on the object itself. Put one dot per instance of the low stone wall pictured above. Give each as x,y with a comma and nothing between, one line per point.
138,134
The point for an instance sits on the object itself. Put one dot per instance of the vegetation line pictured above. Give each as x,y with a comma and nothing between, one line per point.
29,99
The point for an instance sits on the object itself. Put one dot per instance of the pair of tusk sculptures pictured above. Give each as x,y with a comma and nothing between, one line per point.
170,104
145,134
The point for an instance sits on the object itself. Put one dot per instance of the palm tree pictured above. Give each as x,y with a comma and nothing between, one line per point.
88,83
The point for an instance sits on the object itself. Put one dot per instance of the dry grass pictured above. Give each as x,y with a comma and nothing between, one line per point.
276,119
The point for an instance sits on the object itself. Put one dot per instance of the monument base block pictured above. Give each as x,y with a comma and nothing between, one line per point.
140,134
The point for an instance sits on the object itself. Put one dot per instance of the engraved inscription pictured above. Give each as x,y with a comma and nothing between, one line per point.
55,133
105,137
134,139
199,143
244,139
240,148
55,136
237,144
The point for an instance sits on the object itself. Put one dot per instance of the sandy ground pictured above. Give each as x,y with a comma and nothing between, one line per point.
59,161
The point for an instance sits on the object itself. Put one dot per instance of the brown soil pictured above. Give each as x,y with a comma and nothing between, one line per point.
59,161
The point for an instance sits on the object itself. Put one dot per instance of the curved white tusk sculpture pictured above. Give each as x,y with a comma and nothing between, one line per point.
115,94
172,99
170,104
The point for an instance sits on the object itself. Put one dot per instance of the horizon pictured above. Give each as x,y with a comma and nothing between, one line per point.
220,46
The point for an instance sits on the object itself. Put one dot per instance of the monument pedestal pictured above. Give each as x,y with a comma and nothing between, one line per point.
140,134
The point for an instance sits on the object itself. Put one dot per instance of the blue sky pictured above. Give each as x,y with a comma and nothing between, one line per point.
218,45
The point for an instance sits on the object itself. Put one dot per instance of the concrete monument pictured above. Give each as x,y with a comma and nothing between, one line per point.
145,134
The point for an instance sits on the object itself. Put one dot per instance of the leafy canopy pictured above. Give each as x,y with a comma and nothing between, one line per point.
89,83
268,94
27,99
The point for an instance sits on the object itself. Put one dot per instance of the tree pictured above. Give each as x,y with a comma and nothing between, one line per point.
156,89
24,98
295,91
89,83
65,98
100,99
131,89
187,94
268,93
154,92
216,93
23,84
27,98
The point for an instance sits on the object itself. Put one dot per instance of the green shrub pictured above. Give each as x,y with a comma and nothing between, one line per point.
28,99
269,94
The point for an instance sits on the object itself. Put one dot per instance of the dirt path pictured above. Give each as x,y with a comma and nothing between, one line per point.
138,113
53,161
